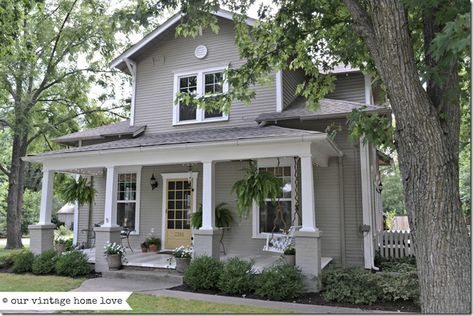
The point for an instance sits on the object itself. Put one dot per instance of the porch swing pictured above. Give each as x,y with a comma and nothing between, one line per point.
279,243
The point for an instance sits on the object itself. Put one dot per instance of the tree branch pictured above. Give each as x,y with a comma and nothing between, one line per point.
4,170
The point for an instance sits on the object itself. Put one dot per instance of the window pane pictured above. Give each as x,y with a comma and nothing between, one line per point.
189,85
215,113
267,216
187,112
126,215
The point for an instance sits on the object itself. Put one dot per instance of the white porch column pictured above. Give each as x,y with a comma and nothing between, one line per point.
206,239
75,228
307,191
46,208
41,234
208,196
110,212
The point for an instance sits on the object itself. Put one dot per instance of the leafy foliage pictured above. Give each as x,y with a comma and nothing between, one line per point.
223,216
45,263
256,186
78,190
280,282
392,194
203,273
236,277
375,129
72,264
23,262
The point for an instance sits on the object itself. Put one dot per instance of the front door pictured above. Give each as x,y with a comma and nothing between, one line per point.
178,213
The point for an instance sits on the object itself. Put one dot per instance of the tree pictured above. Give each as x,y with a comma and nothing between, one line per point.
416,48
43,86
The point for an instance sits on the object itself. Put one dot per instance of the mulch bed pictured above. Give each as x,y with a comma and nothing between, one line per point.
317,299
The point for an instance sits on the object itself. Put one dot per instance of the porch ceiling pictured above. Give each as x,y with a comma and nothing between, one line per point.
222,144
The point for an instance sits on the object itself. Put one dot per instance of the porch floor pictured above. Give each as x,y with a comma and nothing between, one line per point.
166,261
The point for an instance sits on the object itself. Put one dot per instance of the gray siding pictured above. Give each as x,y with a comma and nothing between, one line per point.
165,56
349,87
290,80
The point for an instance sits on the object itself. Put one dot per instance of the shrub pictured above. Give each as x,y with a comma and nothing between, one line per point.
68,245
406,264
45,262
236,277
72,263
399,286
8,260
203,273
351,285
280,282
23,262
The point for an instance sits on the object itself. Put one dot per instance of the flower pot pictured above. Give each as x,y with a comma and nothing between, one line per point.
60,248
153,248
290,259
144,249
182,264
114,262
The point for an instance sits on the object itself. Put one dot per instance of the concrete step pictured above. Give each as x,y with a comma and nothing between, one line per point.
139,275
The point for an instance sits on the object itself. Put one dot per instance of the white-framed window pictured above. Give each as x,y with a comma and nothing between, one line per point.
128,199
272,218
199,83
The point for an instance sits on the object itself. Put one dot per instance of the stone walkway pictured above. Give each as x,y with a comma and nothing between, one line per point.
160,289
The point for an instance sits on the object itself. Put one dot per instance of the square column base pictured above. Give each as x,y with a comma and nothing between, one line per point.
206,243
41,237
308,258
104,235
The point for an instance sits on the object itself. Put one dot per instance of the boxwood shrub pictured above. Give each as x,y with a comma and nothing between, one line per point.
280,282
72,264
203,273
45,262
23,262
236,277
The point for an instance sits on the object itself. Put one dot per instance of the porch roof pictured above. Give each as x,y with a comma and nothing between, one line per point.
328,108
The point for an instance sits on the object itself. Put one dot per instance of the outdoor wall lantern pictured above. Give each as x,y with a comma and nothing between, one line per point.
153,182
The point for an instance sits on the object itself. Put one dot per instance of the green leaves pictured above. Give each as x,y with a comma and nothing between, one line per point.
256,186
80,191
375,129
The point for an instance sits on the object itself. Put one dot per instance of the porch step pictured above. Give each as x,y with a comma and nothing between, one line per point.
140,275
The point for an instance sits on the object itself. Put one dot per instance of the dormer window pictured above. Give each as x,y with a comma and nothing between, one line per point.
199,83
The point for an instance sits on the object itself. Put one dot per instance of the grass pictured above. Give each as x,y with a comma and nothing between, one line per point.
35,283
143,303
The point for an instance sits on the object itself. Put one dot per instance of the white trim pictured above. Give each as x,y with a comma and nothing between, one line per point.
110,207
166,25
307,195
279,91
367,206
272,163
208,195
75,229
368,91
137,170
200,113
132,69
170,176
46,205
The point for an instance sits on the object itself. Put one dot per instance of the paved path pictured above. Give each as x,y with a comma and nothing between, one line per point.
160,289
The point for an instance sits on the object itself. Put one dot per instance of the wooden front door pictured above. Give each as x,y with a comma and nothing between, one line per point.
178,213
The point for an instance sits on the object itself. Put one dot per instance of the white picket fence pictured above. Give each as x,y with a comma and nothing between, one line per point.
395,244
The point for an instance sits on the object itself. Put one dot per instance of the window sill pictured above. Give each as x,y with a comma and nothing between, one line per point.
209,120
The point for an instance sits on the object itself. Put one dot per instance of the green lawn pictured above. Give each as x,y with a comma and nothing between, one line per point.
141,303
35,283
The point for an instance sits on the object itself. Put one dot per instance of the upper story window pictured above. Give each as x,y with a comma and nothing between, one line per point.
199,83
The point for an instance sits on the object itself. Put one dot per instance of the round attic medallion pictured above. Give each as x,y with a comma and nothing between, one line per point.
200,51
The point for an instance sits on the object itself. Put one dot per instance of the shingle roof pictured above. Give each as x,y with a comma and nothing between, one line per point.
120,128
193,136
328,108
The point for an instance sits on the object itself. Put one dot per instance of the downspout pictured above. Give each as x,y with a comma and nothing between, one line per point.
341,201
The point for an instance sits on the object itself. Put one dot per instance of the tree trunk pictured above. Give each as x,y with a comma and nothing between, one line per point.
15,193
428,157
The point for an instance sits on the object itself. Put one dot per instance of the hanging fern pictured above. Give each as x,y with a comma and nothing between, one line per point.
223,216
80,191
256,186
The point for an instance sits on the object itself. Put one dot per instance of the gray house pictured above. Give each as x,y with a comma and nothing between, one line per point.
330,192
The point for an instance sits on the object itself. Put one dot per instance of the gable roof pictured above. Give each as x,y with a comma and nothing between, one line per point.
115,129
328,108
119,62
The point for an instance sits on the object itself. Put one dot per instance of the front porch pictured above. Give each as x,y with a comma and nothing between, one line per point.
165,261
124,172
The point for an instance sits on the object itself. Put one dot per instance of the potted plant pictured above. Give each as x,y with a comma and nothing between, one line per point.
115,254
183,257
144,246
62,236
290,255
154,244
223,216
